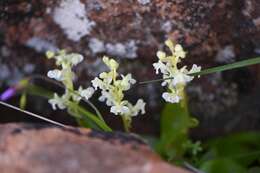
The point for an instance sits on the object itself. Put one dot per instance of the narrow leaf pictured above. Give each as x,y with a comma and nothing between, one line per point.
91,116
226,67
39,91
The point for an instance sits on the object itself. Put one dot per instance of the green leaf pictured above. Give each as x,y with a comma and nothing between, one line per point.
83,121
175,123
222,166
39,91
193,122
23,101
243,148
254,170
91,117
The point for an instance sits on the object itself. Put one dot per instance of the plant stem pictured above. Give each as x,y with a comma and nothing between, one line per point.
125,123
35,90
95,109
60,85
90,116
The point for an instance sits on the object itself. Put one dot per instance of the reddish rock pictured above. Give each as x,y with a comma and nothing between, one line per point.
28,148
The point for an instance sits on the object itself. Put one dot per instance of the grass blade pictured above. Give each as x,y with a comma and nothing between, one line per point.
33,114
226,67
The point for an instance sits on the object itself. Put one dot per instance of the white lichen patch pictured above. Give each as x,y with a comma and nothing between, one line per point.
5,72
167,26
15,76
10,75
248,8
144,2
48,10
96,45
71,16
226,55
122,50
41,45
257,22
257,51
126,49
225,95
5,52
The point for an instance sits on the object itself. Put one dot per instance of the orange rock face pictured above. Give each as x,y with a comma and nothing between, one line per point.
27,149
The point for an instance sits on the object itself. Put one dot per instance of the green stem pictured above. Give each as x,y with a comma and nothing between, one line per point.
60,85
92,117
125,123
95,109
35,90
226,67
80,119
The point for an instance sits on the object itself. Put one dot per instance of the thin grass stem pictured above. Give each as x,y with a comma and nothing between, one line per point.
226,67
33,115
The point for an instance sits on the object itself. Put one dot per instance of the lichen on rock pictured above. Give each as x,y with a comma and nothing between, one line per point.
70,15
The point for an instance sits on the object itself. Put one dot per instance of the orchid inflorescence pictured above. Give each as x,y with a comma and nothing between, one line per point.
113,85
112,88
66,76
175,78
112,92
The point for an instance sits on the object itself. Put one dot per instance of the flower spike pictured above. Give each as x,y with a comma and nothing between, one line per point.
176,77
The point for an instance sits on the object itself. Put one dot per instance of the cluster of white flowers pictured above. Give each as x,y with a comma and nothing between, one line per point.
111,88
113,85
66,75
168,66
112,91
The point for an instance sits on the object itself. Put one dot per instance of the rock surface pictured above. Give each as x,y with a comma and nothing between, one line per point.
27,148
